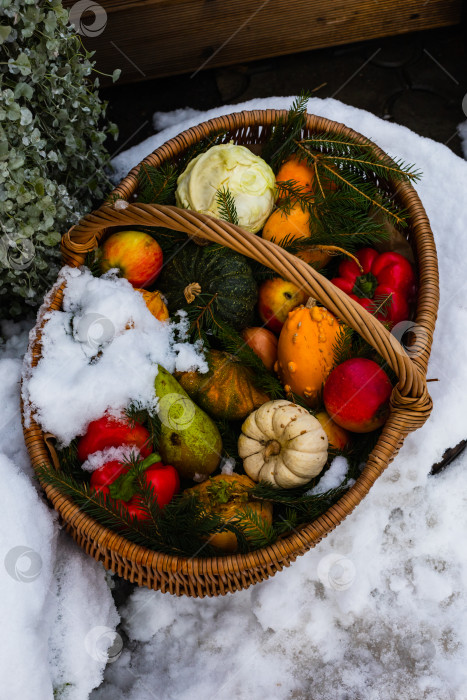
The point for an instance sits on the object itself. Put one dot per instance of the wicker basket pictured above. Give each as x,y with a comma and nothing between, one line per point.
410,401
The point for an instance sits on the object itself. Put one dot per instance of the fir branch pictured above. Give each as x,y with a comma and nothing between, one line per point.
342,348
332,146
99,506
381,304
68,458
337,219
358,450
226,206
157,185
256,529
397,171
200,316
365,190
137,413
286,522
182,527
280,144
306,506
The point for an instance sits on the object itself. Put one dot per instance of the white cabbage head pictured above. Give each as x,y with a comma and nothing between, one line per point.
248,177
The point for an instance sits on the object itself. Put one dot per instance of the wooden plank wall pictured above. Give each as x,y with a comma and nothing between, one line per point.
154,38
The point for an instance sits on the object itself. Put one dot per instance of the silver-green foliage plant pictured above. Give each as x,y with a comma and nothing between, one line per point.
52,154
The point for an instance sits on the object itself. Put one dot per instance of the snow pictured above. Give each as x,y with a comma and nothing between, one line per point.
110,454
53,595
334,476
105,331
377,610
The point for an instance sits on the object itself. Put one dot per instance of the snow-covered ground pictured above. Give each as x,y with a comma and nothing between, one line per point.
377,611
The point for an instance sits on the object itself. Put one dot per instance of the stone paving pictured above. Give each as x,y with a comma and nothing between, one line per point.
419,80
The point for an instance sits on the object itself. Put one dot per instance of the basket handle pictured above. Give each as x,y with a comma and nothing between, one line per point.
410,402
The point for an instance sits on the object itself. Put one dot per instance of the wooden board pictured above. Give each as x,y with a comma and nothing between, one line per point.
155,38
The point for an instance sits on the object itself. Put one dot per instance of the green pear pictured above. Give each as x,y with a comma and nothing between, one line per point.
190,441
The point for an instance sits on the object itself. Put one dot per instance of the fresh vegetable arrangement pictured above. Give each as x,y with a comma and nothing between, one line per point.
229,455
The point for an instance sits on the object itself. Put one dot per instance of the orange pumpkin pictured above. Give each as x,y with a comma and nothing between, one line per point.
155,304
227,390
305,350
291,227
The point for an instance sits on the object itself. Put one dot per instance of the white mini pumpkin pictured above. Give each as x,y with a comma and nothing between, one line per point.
283,444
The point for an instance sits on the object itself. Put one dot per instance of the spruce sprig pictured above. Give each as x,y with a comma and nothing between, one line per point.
334,220
256,529
157,185
305,506
182,527
356,181
226,206
335,148
286,130
98,505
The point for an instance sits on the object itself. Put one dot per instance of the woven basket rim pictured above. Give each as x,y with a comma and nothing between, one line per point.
287,548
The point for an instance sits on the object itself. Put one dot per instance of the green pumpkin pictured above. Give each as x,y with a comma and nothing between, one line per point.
227,390
225,282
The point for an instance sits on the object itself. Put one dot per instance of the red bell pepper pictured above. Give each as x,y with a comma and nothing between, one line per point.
119,481
113,432
385,276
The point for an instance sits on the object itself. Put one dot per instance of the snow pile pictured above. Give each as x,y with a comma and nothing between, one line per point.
57,612
163,120
334,476
379,609
101,352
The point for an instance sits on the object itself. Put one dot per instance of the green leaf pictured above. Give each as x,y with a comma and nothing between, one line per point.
23,90
4,33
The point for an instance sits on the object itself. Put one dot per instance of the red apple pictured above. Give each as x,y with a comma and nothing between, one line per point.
337,436
276,297
263,343
356,395
136,254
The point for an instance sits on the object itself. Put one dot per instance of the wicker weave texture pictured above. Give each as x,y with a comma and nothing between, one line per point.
410,401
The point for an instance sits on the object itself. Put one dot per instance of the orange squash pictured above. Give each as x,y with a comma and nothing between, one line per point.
305,350
227,390
155,304
226,495
291,227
